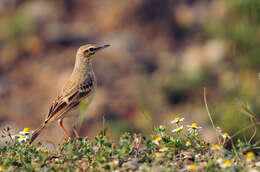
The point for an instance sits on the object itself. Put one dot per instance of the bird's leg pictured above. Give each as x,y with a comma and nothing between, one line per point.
75,132
63,128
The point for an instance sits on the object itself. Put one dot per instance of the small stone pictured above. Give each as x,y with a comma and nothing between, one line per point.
133,164
257,163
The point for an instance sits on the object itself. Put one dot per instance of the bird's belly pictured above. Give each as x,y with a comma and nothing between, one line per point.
73,112
76,110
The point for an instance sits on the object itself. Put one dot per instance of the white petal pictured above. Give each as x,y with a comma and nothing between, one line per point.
173,121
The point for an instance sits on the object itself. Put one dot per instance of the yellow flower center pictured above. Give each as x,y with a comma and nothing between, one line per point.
188,143
26,129
250,155
192,166
157,139
23,137
194,125
17,135
114,163
1,167
227,163
216,146
226,134
164,148
176,118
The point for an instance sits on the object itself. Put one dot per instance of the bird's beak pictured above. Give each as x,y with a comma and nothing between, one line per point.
101,47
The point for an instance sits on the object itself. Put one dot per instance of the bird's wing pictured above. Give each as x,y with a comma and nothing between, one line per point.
68,101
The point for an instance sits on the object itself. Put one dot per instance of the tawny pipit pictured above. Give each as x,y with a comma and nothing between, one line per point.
80,85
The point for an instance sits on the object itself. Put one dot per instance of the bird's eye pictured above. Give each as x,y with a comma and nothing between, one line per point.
91,49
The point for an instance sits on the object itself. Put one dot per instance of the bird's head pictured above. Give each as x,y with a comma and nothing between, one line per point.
88,51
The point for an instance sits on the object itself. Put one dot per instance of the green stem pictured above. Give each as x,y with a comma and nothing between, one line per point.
208,112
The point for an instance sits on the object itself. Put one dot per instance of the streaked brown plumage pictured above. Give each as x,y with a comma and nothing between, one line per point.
80,85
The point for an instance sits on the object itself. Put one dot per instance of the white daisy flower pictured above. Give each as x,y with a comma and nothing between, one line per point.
157,140
23,138
114,163
177,129
226,136
163,149
16,136
176,120
191,167
26,131
250,156
194,127
226,164
188,144
2,168
217,147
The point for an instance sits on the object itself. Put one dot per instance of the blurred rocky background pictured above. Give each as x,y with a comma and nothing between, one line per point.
162,55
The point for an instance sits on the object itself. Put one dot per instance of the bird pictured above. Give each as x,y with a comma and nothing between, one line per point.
80,86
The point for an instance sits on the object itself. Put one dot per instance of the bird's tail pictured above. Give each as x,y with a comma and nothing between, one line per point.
37,132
